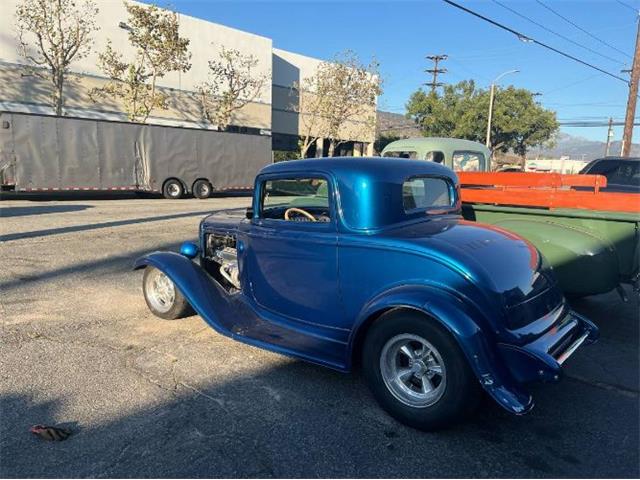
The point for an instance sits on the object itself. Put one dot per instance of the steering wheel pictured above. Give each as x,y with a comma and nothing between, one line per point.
300,211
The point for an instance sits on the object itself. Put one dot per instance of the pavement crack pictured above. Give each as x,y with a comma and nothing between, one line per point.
627,392
38,335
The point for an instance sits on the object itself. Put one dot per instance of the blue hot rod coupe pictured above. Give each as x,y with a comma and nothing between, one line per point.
367,261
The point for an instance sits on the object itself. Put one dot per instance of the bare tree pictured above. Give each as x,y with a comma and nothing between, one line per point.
53,33
339,100
231,84
160,49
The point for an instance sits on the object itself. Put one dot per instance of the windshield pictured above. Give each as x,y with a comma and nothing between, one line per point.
402,154
296,192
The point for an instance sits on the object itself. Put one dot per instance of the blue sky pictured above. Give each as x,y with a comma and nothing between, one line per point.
400,33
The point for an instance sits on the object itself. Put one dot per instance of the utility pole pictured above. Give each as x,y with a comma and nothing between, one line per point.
627,136
435,71
609,137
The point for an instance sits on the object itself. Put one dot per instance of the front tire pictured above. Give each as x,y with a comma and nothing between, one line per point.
162,296
417,372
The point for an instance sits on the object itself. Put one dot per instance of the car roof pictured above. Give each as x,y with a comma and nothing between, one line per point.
374,168
441,143
626,159
370,188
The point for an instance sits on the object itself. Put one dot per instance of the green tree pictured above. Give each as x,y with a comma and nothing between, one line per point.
159,48
52,34
461,111
383,140
232,84
340,96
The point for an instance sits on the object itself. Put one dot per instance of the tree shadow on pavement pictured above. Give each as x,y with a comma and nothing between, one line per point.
40,210
111,264
299,420
94,226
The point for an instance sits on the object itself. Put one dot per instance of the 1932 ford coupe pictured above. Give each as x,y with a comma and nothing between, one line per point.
346,261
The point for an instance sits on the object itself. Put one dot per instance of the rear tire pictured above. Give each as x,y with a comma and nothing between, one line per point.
417,372
163,297
202,189
173,189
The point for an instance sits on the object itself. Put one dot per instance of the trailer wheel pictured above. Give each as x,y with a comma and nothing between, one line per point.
202,189
173,189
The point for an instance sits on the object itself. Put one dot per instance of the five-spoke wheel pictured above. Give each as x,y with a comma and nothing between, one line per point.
417,371
413,370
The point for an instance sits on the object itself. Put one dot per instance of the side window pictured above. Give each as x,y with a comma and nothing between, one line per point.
435,156
407,154
625,173
426,192
296,199
468,161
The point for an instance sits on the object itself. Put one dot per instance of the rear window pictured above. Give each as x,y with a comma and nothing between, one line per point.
421,193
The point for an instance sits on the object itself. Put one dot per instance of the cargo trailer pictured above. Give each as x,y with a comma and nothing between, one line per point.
43,153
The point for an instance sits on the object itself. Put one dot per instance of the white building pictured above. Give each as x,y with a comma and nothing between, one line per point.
272,111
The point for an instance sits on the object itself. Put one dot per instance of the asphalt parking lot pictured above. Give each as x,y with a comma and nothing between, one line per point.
152,398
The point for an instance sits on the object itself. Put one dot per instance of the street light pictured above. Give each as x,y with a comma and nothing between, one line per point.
491,95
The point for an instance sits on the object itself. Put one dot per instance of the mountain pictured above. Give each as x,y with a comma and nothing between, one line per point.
574,147
395,125
577,147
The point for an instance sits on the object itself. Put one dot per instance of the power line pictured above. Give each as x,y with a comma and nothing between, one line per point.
592,124
515,12
627,5
468,70
582,29
588,104
571,84
526,38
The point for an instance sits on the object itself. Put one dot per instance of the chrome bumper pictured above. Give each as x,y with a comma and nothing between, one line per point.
543,358
572,348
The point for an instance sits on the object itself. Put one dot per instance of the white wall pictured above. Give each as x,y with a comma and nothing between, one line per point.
205,38
293,67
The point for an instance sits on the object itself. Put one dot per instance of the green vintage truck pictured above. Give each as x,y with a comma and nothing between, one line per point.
592,238
457,154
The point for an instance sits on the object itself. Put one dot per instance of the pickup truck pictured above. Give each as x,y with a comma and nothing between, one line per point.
590,235
623,174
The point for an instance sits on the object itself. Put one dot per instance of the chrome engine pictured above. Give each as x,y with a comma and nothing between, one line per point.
228,260
222,250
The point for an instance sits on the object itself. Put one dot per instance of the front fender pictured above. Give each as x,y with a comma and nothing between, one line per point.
207,298
464,323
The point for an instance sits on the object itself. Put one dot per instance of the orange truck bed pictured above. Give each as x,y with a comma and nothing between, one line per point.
547,190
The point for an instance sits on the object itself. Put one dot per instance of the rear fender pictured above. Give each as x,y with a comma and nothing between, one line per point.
464,324
575,258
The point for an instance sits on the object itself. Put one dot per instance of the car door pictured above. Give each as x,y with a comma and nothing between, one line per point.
292,265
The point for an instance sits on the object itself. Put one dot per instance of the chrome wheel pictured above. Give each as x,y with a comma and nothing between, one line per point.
160,291
174,189
413,370
204,190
